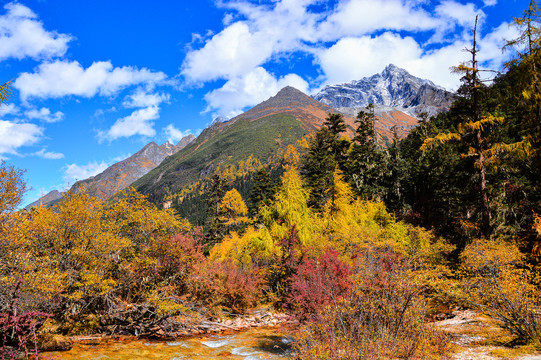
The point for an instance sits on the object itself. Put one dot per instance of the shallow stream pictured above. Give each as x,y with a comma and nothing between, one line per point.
251,344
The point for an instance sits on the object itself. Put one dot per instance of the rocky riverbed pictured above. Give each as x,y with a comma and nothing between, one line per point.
166,333
255,343
478,337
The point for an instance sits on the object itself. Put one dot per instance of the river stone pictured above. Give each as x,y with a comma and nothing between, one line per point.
55,343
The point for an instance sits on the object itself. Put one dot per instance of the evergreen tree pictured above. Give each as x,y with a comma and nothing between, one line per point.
367,160
215,225
527,65
338,145
395,174
261,192
318,167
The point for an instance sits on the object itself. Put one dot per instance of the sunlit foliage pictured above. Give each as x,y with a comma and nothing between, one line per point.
498,283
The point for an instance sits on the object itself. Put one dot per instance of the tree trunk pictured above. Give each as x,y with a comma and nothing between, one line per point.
483,187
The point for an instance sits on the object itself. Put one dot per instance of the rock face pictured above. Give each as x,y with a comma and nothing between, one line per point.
121,174
393,87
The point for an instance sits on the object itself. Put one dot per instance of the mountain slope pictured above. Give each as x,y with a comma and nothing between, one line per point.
312,113
261,132
121,174
393,87
220,145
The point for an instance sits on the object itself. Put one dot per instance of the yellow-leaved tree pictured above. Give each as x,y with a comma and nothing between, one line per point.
232,209
289,208
472,130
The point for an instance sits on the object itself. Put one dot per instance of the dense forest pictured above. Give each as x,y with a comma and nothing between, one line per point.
360,240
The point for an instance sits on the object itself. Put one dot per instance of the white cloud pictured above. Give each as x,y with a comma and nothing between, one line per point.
63,78
348,39
455,13
491,46
361,17
8,109
22,35
140,122
14,135
74,172
436,65
44,114
174,135
490,2
355,58
227,54
244,45
141,98
249,90
49,154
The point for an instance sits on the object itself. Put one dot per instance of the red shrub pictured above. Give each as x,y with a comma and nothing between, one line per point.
178,256
18,334
319,282
226,285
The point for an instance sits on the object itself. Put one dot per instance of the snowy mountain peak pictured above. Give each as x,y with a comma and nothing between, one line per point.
393,87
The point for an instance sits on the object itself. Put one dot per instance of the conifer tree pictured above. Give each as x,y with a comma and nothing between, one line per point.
395,175
215,229
528,63
367,161
472,130
261,192
233,211
339,146
318,167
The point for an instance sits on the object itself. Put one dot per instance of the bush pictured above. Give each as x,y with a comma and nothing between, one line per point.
319,282
384,317
18,334
225,285
499,284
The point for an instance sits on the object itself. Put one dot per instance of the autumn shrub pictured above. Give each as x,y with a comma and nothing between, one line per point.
18,334
317,283
383,317
177,258
226,286
498,282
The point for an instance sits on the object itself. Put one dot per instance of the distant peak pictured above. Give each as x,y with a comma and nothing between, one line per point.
392,68
185,140
151,144
289,90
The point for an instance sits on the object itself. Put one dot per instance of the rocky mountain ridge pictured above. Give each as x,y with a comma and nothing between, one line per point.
121,174
394,87
312,113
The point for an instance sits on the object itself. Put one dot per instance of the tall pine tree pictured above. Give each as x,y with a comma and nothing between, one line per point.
326,152
367,160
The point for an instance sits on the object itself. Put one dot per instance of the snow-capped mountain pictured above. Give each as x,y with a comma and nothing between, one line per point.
393,87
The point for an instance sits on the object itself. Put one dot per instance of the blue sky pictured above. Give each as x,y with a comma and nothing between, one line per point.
94,81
